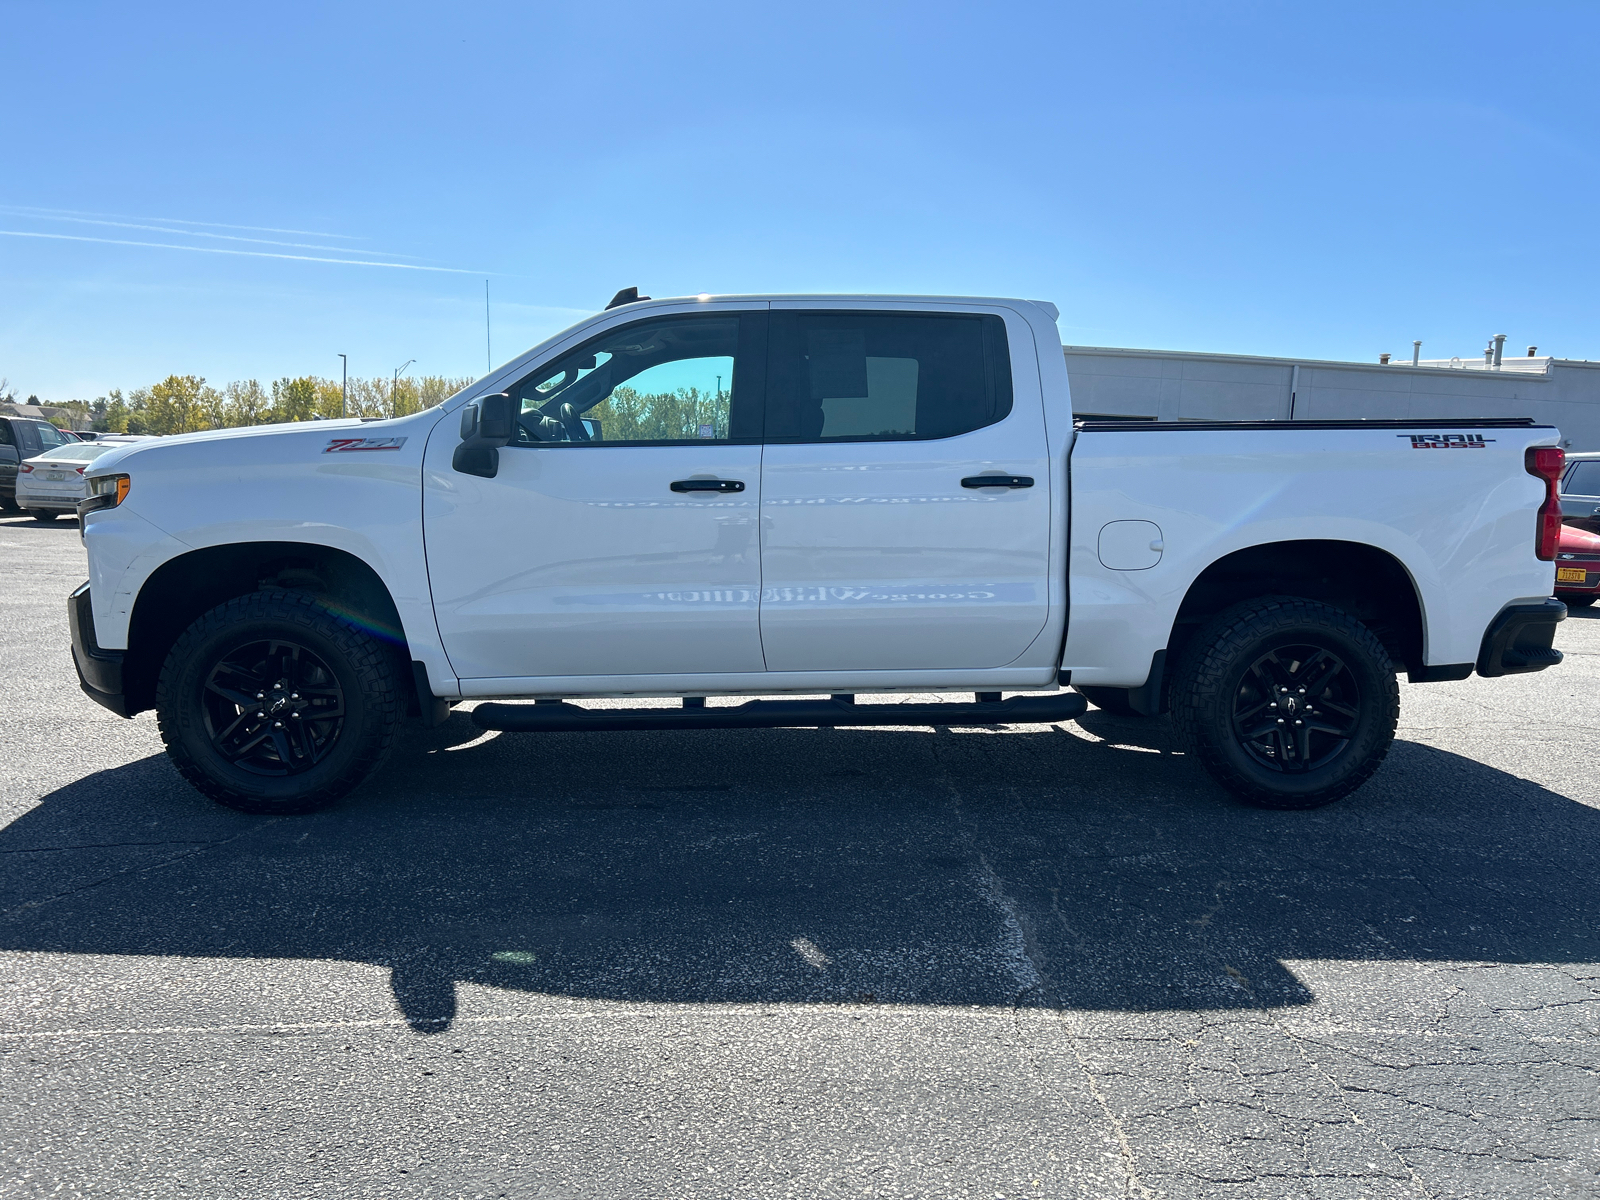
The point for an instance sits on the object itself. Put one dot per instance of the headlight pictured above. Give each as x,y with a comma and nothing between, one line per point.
105,491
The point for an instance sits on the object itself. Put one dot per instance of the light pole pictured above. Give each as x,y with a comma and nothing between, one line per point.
344,386
393,409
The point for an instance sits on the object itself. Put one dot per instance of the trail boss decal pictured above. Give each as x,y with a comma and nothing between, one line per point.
1446,441
339,445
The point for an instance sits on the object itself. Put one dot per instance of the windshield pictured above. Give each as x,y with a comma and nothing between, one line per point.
76,452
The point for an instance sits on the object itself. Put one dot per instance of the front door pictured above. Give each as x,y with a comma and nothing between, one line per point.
620,535
882,547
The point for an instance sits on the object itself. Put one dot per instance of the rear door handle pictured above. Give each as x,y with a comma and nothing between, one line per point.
994,481
709,485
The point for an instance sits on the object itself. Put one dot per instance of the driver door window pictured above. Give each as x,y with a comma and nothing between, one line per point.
661,383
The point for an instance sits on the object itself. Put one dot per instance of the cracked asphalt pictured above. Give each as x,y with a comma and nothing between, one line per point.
1026,962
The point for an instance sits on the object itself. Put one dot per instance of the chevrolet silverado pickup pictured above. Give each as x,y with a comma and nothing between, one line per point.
813,500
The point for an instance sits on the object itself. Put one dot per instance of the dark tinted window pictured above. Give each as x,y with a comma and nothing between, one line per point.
885,376
1583,479
28,438
672,379
5,434
50,436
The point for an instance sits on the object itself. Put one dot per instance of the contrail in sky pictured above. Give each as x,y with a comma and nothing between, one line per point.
349,262
199,233
72,212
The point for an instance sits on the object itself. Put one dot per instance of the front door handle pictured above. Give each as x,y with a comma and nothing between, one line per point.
996,481
708,485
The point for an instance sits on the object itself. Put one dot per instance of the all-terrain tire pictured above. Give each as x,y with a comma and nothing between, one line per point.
43,514
351,670
7,504
1109,699
1223,673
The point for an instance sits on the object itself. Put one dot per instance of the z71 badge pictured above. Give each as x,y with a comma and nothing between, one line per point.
338,445
1446,441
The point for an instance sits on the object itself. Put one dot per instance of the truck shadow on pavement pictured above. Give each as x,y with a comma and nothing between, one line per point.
1031,867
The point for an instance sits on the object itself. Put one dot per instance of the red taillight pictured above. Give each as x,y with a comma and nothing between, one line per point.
24,469
80,469
1546,462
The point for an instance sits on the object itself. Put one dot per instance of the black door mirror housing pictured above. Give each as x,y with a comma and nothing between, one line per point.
486,425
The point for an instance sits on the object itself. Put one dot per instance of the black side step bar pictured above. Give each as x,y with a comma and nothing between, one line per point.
562,717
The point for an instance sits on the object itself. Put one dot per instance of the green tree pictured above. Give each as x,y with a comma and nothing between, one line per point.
328,399
435,389
176,405
294,399
115,414
627,415
245,403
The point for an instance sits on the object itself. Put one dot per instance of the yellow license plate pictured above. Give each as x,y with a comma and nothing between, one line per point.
1569,575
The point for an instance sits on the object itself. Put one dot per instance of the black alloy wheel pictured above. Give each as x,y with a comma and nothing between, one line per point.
273,703
273,708
1297,708
1286,702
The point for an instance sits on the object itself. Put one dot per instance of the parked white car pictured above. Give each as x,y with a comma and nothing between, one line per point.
736,496
51,484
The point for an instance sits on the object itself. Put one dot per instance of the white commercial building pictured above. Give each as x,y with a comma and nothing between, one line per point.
1175,385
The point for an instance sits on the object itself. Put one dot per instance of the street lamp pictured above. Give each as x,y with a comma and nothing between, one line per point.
344,386
394,411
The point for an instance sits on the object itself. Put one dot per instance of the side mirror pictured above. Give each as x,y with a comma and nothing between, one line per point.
486,425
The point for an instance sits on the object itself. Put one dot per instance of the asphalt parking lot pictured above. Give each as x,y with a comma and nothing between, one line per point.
1030,962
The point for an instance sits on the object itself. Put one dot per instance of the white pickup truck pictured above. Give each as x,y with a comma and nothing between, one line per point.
728,496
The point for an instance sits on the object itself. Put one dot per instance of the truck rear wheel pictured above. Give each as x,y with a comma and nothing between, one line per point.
1287,703
270,703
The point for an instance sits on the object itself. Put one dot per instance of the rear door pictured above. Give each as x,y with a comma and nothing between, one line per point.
882,547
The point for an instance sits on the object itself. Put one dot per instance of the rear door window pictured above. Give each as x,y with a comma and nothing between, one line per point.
858,376
1583,479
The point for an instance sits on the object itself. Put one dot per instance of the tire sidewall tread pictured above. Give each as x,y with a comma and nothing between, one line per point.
1202,700
367,672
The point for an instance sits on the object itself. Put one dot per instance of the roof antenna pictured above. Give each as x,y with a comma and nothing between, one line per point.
625,296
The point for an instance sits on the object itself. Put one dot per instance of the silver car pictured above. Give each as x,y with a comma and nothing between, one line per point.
1580,490
52,483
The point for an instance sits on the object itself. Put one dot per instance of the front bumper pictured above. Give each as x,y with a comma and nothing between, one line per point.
1519,639
99,671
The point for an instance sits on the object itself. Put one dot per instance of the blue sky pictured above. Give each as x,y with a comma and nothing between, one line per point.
1326,181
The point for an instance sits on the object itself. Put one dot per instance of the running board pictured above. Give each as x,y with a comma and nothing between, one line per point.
561,717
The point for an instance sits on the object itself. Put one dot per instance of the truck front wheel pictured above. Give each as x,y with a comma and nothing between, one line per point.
1287,703
271,703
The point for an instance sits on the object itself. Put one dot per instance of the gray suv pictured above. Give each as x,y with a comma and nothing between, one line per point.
1580,491
20,438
